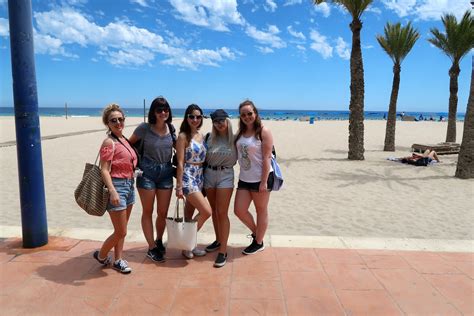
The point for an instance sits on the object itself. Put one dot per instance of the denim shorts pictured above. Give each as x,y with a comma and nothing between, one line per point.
254,186
155,175
126,191
219,179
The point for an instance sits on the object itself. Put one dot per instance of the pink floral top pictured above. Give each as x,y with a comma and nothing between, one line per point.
124,159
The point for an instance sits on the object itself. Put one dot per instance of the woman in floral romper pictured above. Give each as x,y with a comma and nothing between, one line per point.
191,153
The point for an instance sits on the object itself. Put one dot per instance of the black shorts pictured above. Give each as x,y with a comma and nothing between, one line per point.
254,186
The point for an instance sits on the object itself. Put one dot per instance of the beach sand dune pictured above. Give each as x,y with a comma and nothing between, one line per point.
324,193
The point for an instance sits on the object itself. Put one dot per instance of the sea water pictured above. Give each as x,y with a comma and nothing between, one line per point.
264,114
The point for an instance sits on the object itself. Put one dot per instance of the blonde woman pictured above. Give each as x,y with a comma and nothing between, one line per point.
219,180
118,162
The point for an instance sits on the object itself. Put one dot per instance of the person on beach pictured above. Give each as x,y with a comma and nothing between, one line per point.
118,162
254,143
191,153
156,139
423,159
219,180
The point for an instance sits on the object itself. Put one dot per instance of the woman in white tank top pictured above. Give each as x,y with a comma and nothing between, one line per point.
254,144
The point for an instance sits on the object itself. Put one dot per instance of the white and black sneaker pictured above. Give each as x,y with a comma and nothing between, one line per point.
155,255
220,260
254,247
122,266
213,247
105,261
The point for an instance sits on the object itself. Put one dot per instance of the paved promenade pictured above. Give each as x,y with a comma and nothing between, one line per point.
62,278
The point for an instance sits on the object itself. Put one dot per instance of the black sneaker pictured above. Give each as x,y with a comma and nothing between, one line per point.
220,260
213,247
159,244
105,261
155,255
122,266
254,247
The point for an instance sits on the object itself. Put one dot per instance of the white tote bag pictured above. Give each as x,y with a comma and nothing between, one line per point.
181,235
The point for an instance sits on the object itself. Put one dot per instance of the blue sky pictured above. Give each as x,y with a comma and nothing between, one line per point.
283,54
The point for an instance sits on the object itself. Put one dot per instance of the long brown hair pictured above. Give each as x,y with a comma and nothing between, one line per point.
257,124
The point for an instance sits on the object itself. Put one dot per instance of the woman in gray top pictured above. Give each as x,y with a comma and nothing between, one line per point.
157,139
221,157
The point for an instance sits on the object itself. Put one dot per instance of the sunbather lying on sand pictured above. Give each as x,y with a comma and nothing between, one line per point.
423,159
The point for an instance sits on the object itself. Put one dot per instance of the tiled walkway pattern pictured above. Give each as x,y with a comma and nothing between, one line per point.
63,279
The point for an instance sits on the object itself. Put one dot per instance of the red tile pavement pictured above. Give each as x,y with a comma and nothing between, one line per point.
63,278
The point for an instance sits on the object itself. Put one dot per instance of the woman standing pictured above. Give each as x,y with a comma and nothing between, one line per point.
219,180
118,161
254,144
191,153
157,138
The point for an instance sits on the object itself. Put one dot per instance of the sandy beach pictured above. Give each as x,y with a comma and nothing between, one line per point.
324,193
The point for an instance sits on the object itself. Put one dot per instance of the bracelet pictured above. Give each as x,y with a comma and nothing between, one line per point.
178,189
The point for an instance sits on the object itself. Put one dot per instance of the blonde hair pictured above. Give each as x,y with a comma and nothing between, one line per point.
229,136
113,107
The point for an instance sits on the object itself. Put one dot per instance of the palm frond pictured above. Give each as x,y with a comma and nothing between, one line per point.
355,7
457,39
398,41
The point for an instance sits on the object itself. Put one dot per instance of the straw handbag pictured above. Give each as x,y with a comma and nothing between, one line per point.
91,194
181,234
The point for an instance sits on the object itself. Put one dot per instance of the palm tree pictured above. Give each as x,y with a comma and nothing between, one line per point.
397,43
465,167
456,43
356,106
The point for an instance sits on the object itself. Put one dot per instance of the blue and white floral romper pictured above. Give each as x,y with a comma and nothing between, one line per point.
193,177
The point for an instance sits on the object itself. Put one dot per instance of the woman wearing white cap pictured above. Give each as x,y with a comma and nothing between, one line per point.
221,157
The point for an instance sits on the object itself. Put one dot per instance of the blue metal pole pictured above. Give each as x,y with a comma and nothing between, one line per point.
28,137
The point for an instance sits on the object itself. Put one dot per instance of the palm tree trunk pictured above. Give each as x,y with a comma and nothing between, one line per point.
453,101
465,167
356,106
392,110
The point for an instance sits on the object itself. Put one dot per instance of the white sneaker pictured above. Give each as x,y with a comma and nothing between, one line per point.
187,254
199,252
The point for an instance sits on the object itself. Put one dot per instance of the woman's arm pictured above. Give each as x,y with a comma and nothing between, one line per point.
267,145
133,139
180,149
105,170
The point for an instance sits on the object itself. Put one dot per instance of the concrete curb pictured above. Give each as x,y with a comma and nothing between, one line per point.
335,242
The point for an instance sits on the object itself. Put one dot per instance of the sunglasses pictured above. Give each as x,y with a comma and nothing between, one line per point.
219,121
116,120
162,110
194,117
248,114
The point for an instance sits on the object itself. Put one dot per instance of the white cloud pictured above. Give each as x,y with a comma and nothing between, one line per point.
373,9
270,5
427,9
401,7
342,49
191,58
142,3
268,37
323,8
292,2
215,15
265,50
301,47
295,33
118,42
320,44
4,27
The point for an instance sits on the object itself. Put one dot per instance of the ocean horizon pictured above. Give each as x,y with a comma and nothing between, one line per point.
264,113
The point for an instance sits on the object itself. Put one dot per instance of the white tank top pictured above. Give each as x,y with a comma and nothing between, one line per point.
249,151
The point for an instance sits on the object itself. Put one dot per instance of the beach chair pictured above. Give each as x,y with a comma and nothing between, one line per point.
441,148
